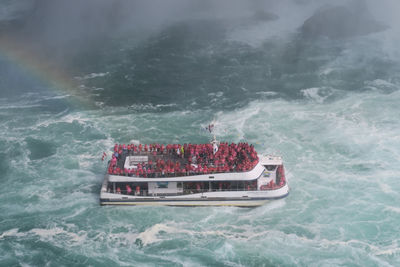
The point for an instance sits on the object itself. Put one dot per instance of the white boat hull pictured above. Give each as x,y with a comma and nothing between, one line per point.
216,198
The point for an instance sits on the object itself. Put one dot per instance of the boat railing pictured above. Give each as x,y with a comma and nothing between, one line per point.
195,191
184,192
179,174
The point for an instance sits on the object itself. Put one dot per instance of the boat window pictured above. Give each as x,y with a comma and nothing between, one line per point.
270,167
179,185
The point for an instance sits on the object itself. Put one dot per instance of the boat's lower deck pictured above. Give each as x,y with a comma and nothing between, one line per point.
237,198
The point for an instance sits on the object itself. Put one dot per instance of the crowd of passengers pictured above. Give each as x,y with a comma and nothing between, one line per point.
228,158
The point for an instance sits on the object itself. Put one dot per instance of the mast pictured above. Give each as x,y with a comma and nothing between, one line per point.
215,144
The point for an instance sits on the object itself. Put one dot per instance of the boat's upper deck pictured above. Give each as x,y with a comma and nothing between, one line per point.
172,160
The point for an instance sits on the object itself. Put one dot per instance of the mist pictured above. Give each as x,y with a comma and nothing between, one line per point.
141,44
73,23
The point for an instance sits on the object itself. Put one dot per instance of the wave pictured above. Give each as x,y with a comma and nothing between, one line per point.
319,94
92,76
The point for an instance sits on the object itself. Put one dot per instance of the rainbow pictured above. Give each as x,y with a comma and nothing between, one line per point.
43,70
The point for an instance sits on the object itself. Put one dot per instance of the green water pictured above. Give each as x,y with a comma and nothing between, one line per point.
329,107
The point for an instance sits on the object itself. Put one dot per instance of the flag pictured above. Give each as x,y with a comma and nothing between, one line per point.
215,148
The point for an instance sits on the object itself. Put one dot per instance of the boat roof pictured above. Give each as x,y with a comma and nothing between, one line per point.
255,173
271,160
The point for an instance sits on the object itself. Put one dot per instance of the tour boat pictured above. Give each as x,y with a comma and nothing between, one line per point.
213,174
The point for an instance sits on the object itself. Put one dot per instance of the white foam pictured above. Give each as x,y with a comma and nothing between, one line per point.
11,233
19,106
51,233
251,233
386,188
86,160
46,234
166,105
150,107
216,94
391,251
394,209
125,238
267,93
225,122
382,85
69,118
327,70
92,75
227,253
150,235
56,97
317,94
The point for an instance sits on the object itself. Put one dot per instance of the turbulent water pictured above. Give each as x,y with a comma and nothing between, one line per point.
329,106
